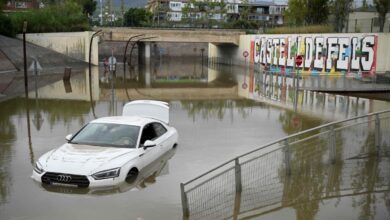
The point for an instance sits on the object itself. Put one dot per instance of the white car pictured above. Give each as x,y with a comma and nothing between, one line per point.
146,177
110,150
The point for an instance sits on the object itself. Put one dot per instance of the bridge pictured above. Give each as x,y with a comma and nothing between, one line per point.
174,35
330,161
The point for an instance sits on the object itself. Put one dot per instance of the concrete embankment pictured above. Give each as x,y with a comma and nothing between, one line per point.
11,73
72,44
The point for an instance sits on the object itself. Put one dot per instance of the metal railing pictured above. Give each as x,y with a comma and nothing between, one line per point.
259,178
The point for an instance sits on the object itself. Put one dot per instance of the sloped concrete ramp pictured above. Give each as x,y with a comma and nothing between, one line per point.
51,61
12,69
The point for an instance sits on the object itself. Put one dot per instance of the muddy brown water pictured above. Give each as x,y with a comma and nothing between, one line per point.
211,131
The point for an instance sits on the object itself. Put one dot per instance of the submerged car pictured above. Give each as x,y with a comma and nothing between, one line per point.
146,177
110,150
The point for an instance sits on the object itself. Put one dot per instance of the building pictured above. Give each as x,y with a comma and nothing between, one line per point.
192,12
20,5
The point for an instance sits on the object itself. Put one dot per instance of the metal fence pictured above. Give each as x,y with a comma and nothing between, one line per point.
365,25
320,157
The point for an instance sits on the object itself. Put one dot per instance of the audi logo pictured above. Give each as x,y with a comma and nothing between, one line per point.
64,178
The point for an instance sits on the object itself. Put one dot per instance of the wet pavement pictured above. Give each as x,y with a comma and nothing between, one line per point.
212,129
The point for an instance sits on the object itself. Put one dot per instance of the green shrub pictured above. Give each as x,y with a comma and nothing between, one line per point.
64,17
137,17
301,29
6,27
241,24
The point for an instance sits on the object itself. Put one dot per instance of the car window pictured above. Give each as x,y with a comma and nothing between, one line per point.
107,134
152,131
148,133
159,128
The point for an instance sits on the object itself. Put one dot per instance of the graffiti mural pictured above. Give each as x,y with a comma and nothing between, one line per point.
322,54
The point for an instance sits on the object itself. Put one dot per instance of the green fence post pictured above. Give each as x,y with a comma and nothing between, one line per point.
332,146
377,134
287,157
237,169
184,201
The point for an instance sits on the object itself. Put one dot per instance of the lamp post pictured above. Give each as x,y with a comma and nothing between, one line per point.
89,63
124,55
25,59
90,51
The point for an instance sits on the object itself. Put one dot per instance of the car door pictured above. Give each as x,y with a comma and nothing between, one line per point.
152,153
163,137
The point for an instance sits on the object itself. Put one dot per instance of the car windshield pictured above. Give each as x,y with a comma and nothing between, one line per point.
107,134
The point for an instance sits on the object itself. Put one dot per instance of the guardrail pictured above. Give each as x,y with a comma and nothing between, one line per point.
230,188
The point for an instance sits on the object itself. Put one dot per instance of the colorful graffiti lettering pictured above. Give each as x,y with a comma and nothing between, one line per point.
322,54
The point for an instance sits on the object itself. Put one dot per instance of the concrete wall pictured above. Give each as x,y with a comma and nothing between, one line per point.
266,50
169,35
73,44
78,88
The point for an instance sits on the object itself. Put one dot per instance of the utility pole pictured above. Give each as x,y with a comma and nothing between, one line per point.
123,12
158,13
111,16
101,12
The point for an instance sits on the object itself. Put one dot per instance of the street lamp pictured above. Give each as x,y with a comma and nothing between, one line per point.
90,50
124,55
89,63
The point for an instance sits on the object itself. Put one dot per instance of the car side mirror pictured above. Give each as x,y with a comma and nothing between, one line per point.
148,144
68,137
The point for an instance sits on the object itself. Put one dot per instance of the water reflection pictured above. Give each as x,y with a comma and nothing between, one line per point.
7,138
145,178
175,80
365,181
207,106
285,91
218,108
292,122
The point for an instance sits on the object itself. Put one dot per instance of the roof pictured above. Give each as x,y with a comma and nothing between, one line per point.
126,120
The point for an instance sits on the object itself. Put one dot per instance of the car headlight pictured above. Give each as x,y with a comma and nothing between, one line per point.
105,174
38,168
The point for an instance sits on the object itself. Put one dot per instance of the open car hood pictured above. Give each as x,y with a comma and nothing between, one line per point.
147,108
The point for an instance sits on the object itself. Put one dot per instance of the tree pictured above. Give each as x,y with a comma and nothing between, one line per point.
89,6
6,26
188,13
137,17
364,6
296,12
2,3
317,11
341,10
382,7
301,12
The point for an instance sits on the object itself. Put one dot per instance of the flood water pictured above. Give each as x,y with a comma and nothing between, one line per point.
215,119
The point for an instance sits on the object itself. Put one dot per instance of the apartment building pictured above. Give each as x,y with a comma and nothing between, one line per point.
181,11
17,5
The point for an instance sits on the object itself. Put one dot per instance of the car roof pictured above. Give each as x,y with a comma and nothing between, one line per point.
126,120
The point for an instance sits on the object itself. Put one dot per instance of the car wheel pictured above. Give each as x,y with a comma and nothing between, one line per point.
132,175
